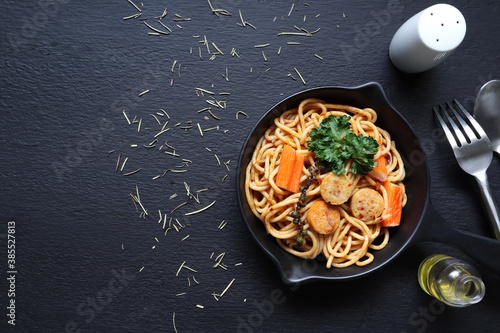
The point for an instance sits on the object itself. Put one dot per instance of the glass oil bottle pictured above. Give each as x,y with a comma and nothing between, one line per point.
451,280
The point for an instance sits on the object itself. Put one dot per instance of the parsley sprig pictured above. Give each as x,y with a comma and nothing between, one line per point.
334,144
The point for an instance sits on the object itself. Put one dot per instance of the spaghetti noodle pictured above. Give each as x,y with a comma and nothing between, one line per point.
354,238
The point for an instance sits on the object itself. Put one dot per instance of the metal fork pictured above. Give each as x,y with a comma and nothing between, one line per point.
473,151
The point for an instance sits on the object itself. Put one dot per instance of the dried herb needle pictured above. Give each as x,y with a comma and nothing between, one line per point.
201,210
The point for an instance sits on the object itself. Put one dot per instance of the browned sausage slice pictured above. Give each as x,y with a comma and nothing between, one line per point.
367,204
323,218
336,189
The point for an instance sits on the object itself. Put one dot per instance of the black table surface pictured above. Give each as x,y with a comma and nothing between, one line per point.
87,260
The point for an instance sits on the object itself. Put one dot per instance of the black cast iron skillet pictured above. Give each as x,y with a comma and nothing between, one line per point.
420,221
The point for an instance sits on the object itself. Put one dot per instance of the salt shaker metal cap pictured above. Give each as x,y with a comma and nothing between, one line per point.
427,38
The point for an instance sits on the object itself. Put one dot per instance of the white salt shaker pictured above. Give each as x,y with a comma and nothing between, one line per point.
427,38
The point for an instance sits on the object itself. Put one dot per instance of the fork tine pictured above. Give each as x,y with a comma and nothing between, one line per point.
473,121
461,140
446,129
470,135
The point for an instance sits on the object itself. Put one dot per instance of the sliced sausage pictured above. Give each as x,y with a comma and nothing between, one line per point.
323,217
367,204
336,189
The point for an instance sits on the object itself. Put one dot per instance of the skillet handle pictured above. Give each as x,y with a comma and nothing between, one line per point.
483,250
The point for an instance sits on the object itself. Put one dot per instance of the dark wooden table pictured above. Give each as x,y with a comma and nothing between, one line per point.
87,260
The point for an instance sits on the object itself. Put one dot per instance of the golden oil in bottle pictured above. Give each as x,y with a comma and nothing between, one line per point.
450,280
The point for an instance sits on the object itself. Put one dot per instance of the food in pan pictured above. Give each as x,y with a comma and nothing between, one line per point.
325,180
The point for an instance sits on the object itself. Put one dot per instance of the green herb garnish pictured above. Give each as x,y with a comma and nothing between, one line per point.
334,144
